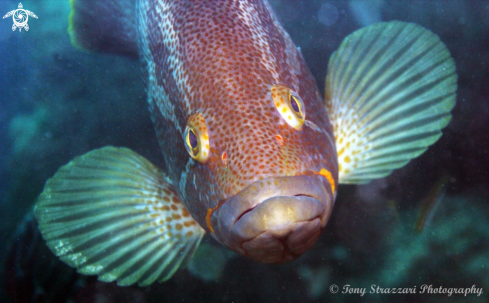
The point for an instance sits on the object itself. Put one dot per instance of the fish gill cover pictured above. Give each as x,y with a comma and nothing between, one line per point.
57,103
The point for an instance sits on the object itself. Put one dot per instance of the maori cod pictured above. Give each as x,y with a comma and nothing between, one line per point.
254,154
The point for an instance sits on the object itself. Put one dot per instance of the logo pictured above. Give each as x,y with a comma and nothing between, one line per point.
20,17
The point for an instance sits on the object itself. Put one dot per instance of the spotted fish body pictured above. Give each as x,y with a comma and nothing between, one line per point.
251,153
221,59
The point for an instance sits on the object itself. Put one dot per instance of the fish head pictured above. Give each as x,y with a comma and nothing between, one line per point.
264,170
229,90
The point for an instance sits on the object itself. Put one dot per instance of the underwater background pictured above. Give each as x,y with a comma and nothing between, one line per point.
57,102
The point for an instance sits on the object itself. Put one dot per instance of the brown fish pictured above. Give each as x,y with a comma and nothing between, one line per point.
254,154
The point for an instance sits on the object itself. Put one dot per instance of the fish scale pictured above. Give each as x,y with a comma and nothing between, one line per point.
210,73
254,155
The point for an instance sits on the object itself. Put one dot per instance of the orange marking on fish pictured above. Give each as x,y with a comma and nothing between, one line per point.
224,158
280,140
325,173
208,216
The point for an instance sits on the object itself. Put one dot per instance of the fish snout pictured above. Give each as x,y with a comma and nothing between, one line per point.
275,220
280,229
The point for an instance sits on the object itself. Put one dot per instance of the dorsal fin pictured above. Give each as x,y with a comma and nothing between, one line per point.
104,26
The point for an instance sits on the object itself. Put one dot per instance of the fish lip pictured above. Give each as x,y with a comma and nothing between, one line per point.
244,213
279,229
288,254
258,203
234,208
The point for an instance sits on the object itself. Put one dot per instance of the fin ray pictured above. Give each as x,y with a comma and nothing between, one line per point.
112,213
389,92
359,79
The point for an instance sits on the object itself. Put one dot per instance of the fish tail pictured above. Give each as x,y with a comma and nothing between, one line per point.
389,92
113,214
104,26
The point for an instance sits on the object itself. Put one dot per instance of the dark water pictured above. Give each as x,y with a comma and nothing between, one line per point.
57,102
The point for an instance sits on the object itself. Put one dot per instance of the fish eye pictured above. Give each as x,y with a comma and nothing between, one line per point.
196,138
297,105
191,142
289,106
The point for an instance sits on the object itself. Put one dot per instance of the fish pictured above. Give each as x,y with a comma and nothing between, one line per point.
430,204
33,274
254,154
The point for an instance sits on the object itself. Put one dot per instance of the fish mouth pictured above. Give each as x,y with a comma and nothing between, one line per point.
275,220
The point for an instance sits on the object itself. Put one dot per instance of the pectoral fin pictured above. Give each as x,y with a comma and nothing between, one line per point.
389,92
113,214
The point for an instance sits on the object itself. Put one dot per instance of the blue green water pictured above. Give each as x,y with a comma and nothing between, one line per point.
57,102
